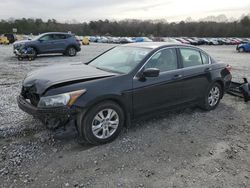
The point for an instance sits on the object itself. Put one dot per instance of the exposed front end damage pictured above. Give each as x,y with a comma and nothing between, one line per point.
51,117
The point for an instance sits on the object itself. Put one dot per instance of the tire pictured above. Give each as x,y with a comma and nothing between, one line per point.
212,97
95,126
71,51
241,50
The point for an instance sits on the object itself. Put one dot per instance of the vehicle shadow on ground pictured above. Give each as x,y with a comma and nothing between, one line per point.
140,123
14,58
70,134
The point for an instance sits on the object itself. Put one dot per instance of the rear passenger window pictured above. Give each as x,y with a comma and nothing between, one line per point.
205,58
164,60
190,57
59,36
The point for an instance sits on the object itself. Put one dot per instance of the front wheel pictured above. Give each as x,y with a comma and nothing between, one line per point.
34,51
102,123
213,97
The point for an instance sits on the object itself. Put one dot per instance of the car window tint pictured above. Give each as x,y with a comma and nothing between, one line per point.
46,38
205,58
164,60
59,37
190,57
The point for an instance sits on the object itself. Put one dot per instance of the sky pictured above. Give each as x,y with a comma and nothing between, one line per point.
88,10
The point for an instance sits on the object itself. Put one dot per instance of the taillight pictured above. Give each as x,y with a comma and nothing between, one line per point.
229,68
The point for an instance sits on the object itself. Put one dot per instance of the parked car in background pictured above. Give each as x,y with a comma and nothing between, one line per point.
191,41
170,40
212,41
198,40
102,40
244,47
234,41
4,40
11,37
125,40
183,41
85,41
142,39
92,39
122,84
54,42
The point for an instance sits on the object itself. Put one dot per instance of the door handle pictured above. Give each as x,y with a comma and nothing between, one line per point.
208,69
177,76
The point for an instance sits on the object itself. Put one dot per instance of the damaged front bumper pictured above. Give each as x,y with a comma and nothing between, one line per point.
52,117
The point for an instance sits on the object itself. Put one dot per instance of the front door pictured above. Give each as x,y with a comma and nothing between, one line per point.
45,43
155,93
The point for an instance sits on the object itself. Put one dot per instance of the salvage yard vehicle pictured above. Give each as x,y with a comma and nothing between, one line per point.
54,42
243,47
4,40
11,37
85,41
123,84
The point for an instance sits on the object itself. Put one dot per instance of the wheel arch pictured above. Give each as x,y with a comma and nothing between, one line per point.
69,46
221,83
35,48
243,47
116,100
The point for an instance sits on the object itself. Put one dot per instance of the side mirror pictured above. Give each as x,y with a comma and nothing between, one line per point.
151,72
41,40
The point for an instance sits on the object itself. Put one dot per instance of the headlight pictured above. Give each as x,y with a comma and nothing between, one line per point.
64,99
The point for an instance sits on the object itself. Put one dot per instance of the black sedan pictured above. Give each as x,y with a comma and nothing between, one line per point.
122,84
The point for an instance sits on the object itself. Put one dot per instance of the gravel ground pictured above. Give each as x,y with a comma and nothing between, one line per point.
187,148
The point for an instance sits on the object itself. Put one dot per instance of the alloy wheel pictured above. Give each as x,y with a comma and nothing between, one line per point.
72,51
214,96
105,123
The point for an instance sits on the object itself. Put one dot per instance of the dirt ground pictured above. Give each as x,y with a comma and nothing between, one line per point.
186,148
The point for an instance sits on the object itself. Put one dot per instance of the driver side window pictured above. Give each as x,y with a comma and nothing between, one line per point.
164,60
46,38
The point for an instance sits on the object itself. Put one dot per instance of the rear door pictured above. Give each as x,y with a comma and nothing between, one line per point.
196,73
59,43
151,94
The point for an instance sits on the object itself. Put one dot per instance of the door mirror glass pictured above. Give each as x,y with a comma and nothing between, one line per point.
151,72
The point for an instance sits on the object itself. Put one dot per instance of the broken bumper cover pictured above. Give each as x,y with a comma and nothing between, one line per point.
45,113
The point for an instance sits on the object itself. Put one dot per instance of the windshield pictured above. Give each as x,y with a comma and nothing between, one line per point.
120,59
37,37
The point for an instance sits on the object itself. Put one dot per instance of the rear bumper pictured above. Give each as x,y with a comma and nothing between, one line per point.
46,113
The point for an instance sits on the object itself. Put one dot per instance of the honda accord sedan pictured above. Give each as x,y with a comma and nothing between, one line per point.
123,84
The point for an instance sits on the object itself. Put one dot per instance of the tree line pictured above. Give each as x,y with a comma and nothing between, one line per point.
240,28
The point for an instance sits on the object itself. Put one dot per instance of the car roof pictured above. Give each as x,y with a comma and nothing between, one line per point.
154,45
57,33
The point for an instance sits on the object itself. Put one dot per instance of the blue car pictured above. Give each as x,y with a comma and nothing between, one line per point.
243,47
53,42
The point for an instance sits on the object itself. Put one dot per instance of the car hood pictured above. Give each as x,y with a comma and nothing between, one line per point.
21,42
40,80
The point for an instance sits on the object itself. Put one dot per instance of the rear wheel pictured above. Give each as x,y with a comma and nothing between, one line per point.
71,51
213,97
102,123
